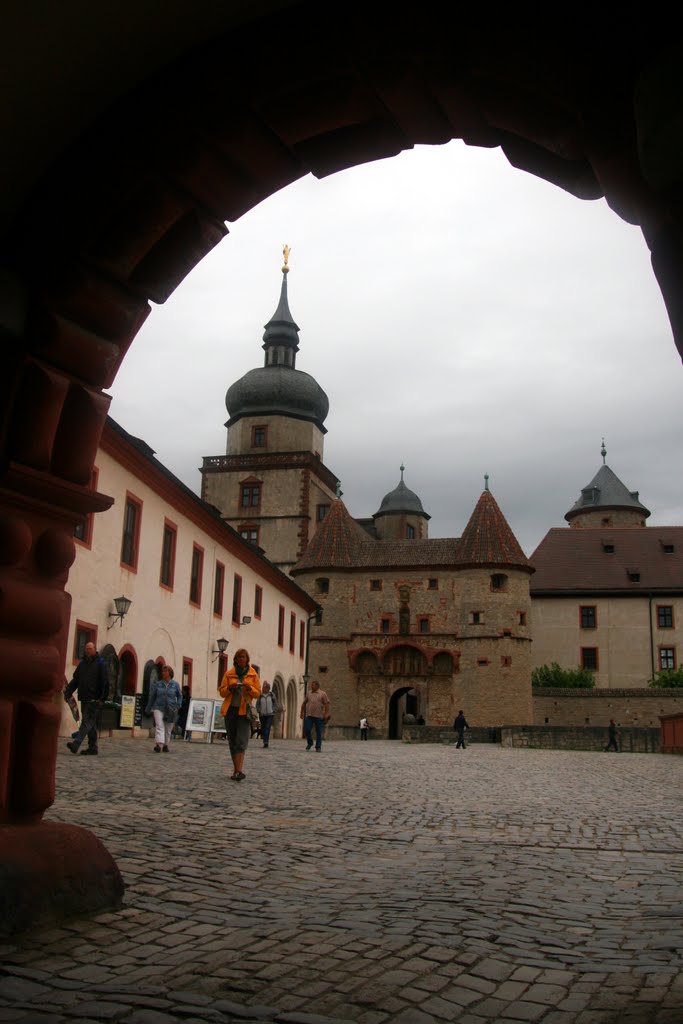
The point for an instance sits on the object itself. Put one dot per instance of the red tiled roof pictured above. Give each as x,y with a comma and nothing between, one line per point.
340,543
574,560
488,540
336,543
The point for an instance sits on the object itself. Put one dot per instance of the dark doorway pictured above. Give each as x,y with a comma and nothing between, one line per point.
402,702
127,674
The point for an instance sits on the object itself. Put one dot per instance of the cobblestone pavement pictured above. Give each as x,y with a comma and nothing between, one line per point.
373,882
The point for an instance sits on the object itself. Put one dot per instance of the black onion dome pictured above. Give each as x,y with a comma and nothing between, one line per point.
277,390
401,499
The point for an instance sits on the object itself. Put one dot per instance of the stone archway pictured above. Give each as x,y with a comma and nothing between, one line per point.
293,722
102,215
279,728
403,701
128,672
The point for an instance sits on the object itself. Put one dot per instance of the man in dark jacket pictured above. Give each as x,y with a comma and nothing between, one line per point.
460,724
90,681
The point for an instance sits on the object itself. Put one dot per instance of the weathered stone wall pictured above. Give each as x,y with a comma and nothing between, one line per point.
284,434
643,741
640,708
617,518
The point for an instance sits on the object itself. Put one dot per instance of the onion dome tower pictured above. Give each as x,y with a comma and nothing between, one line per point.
277,388
272,485
607,502
400,515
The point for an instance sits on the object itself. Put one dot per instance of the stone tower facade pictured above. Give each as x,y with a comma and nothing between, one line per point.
421,626
272,485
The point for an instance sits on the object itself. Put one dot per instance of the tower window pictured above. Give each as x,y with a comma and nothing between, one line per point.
498,581
423,624
385,625
410,532
476,618
250,534
322,585
588,617
250,495
375,584
320,512
259,437
432,584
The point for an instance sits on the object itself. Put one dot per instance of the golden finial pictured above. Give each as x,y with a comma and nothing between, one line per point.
285,255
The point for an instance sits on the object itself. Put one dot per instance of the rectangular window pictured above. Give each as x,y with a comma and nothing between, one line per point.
375,584
587,616
385,625
432,584
237,600
83,531
302,638
423,624
522,618
505,661
196,572
258,601
410,533
259,436
85,633
476,618
218,589
320,512
292,632
281,627
665,616
250,534
633,575
667,658
250,496
589,658
132,515
168,547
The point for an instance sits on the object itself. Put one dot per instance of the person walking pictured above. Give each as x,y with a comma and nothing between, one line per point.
239,686
364,728
164,701
183,713
315,712
267,707
613,736
90,682
460,724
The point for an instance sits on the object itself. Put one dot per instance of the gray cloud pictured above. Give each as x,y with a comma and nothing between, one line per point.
462,317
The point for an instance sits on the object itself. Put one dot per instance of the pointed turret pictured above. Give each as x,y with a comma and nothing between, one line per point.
277,388
606,501
336,543
487,540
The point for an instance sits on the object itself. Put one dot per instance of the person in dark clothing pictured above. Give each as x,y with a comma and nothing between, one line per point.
460,724
181,724
612,736
90,682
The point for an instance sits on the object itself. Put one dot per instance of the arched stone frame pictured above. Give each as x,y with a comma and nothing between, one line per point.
128,670
118,232
293,724
365,662
280,724
111,664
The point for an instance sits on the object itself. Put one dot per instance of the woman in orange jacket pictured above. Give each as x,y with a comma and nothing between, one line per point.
239,686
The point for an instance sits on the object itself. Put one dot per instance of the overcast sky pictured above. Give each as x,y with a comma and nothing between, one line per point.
462,316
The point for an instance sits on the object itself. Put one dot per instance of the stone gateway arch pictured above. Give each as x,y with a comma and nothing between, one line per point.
130,140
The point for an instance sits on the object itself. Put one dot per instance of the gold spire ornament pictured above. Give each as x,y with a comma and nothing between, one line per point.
285,255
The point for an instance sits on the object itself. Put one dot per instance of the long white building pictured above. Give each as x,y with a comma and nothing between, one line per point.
191,581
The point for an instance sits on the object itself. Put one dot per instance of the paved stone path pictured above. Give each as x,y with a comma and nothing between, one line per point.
372,882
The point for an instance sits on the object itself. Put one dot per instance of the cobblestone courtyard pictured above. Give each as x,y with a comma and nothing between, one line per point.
373,882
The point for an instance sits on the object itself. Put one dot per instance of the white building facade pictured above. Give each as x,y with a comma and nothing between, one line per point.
190,579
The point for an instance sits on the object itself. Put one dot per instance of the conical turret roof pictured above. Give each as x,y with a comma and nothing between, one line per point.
606,491
488,540
337,542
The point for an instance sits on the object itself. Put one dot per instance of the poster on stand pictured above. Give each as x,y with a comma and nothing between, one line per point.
200,716
127,720
218,720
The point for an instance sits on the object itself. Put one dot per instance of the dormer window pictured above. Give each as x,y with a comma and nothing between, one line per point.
633,575
410,532
667,547
608,547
